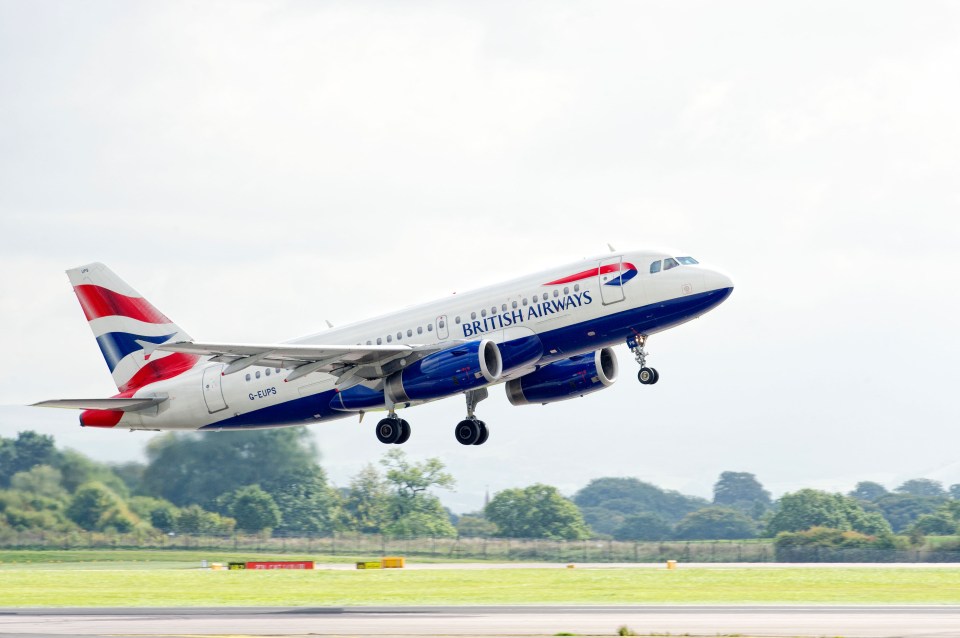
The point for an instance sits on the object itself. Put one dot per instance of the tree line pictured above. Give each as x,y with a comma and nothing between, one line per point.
269,481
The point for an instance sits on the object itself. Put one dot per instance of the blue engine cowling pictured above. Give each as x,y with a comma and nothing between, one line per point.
565,379
441,374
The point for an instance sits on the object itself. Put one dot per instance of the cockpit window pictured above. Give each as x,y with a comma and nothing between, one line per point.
669,263
687,261
654,267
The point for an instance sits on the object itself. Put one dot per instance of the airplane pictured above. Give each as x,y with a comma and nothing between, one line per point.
547,337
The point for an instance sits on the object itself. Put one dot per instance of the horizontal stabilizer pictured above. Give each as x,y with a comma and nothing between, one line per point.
116,405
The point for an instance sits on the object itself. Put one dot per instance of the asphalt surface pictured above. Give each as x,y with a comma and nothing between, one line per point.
814,621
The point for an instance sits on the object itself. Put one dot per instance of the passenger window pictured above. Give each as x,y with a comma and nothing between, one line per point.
429,327
655,267
556,293
670,263
566,290
483,313
399,335
687,261
379,341
440,324
268,372
369,343
258,374
503,308
457,319
278,370
534,299
524,301
514,305
493,310
473,316
389,338
248,376
419,330
576,288
409,332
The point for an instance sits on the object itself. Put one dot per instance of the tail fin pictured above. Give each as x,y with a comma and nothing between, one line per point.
128,328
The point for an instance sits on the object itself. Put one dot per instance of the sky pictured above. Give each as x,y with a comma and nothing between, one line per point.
258,168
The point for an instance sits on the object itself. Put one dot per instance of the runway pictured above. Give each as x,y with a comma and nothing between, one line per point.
847,621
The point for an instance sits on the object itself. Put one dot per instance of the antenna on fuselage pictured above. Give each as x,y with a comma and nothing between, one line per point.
612,249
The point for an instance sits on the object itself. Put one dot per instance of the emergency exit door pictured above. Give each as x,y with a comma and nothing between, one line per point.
213,389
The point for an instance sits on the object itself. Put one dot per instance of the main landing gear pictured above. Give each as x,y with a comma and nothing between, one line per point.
393,430
637,345
472,431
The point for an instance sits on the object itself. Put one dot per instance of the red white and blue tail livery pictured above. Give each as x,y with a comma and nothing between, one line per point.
547,337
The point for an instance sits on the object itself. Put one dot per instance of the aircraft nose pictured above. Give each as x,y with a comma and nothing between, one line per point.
716,280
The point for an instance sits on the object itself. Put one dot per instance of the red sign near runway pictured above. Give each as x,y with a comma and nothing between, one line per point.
281,564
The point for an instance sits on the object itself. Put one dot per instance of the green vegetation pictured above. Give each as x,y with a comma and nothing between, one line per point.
170,587
538,511
229,490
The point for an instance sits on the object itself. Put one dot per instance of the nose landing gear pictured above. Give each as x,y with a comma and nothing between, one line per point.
637,345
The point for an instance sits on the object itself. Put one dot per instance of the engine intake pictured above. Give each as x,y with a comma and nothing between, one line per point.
565,379
447,372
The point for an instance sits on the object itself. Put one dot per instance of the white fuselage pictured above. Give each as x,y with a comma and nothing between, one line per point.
569,317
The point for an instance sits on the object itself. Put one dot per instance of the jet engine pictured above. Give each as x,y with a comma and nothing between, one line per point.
441,374
565,379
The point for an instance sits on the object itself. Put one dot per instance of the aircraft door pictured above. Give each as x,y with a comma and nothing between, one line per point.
611,290
443,330
213,390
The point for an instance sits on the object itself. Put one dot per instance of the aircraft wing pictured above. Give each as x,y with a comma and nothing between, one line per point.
116,405
346,362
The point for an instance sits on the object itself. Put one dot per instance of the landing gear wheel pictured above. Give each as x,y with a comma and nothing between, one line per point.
389,430
404,432
656,376
484,433
468,432
647,376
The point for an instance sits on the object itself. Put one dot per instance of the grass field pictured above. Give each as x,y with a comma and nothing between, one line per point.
139,578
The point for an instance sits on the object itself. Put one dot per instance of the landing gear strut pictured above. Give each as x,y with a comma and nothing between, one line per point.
637,345
472,431
393,430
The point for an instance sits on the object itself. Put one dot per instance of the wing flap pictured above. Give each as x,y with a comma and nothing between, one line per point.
344,362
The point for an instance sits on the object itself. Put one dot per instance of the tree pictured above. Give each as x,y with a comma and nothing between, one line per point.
308,504
922,487
367,501
193,519
537,511
410,481
606,502
644,526
41,480
254,510
91,506
901,510
955,491
77,469
471,525
741,491
938,524
715,523
28,450
198,468
411,510
808,508
868,491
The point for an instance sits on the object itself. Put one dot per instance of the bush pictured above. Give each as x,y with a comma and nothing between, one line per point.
824,544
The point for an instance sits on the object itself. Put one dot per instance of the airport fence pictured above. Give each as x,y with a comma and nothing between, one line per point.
363,546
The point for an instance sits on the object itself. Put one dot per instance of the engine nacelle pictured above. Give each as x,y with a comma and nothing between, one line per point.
447,372
565,379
